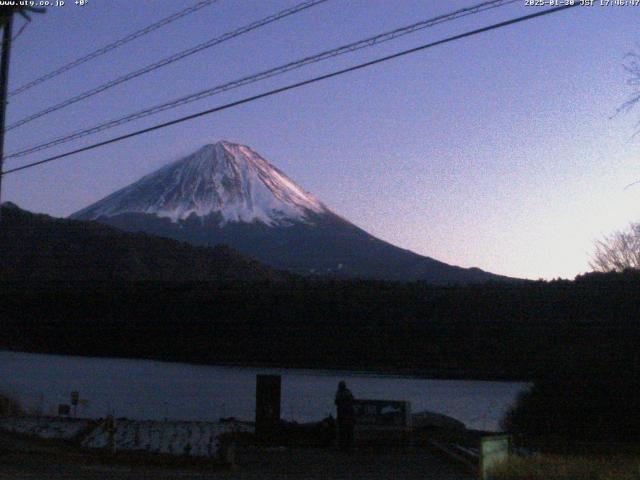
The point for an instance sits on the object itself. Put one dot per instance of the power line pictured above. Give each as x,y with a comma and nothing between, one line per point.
367,42
22,29
296,85
167,61
114,45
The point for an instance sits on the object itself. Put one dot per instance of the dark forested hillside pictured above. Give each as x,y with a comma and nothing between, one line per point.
83,288
482,331
41,248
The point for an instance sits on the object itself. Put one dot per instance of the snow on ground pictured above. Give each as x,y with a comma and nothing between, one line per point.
198,439
46,427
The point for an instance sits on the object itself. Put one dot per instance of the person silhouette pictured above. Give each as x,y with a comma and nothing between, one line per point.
345,414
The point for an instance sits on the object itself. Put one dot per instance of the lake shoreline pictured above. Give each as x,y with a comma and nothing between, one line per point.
150,390
347,371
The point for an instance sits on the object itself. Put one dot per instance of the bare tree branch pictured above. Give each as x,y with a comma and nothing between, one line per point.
632,67
619,251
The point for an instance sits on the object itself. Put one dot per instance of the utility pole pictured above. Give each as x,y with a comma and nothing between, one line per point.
6,23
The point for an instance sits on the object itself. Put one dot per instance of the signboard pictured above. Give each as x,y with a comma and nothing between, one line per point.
382,413
267,404
494,450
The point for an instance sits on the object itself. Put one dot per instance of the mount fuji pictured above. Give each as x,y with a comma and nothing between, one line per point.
226,193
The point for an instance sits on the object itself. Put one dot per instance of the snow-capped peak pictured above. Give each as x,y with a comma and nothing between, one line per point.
222,178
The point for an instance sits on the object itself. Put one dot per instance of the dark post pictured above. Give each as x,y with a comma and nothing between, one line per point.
110,427
7,23
63,409
267,405
75,396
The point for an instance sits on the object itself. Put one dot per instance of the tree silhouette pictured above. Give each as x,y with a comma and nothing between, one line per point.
632,66
619,251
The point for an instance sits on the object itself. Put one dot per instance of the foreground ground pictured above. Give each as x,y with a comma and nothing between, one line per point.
570,467
22,459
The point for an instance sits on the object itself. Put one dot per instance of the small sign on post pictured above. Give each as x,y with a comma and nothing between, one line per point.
382,421
494,450
383,413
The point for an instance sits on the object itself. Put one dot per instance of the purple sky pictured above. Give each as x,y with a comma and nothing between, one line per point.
496,151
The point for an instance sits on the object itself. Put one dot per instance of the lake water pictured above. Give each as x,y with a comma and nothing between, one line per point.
144,389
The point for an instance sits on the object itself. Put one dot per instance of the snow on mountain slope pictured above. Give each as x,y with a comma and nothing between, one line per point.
227,194
224,178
